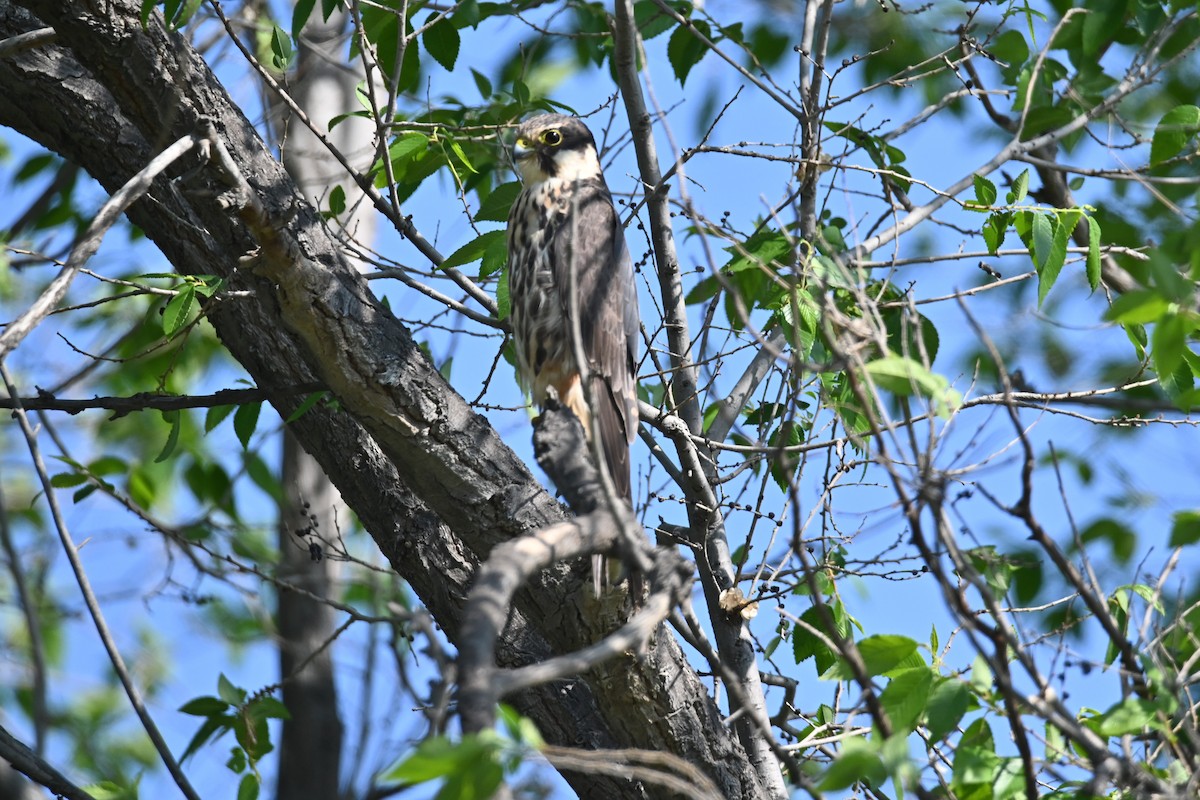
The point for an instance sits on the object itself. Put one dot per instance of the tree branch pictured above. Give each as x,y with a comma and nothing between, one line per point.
428,477
146,401
93,605
32,766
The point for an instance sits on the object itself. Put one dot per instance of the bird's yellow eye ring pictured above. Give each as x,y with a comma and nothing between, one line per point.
552,137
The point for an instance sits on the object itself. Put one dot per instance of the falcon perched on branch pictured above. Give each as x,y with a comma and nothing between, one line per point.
567,261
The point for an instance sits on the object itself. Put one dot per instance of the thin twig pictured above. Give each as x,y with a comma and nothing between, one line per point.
89,242
89,598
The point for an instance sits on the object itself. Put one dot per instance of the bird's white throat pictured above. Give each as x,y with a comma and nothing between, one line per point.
572,165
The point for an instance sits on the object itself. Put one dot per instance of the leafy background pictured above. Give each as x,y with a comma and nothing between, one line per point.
192,608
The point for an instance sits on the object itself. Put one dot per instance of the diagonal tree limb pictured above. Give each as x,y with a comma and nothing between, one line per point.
717,574
89,243
431,480
34,767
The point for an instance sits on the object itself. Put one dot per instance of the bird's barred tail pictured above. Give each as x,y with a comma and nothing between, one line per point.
614,438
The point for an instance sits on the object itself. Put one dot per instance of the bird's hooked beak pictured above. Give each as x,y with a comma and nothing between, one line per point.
526,161
522,149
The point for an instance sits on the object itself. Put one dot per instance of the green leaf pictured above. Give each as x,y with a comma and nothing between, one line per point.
880,653
337,201
410,67
769,43
35,165
204,706
407,149
1043,240
434,758
215,416
1055,257
859,762
263,477
476,780
268,707
905,696
1120,539
474,249
1185,528
457,149
108,790
948,702
1173,132
765,248
800,315
248,788
1101,25
300,16
705,289
994,229
442,42
245,421
1143,591
282,51
178,311
1131,715
904,376
1011,49
469,767
253,735
520,729
981,675
1093,255
684,50
212,726
1019,190
985,191
975,759
305,406
496,205
1137,307
783,464
108,465
176,13
176,420
494,257
469,14
65,480
806,644
650,19
482,84
228,692
1168,341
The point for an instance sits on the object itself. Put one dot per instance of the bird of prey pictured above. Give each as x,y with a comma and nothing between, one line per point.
567,255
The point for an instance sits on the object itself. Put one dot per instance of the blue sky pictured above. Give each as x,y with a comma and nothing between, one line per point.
1157,461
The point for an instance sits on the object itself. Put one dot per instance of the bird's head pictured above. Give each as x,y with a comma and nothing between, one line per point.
555,146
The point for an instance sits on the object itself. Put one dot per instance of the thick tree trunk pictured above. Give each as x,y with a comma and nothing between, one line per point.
310,746
429,478
312,510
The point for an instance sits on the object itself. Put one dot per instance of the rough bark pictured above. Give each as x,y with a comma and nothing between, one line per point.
429,478
311,738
